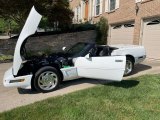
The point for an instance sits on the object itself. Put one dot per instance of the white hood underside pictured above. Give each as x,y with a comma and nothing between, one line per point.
29,28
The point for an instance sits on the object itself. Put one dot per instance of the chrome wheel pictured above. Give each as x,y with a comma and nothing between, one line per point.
129,67
47,80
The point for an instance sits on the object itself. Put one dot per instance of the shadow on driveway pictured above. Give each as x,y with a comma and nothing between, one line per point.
125,83
26,91
67,84
140,68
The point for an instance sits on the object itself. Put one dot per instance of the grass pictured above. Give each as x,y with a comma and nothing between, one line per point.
5,57
135,99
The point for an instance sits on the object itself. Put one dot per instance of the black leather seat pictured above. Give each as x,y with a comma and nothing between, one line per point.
105,52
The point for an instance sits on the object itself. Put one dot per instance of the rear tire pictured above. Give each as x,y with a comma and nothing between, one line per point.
129,66
47,79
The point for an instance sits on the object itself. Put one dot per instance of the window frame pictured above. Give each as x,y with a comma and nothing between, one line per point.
108,6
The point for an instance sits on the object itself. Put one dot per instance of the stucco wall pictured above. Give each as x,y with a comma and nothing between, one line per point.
51,42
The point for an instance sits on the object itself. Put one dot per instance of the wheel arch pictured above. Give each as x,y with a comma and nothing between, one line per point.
56,66
131,57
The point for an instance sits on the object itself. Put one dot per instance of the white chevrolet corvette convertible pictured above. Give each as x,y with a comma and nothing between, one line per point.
45,73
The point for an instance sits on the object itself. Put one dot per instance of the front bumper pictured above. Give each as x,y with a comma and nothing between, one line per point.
21,81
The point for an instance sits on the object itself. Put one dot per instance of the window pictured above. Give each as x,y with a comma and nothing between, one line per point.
112,5
77,14
117,26
97,7
154,22
128,25
125,26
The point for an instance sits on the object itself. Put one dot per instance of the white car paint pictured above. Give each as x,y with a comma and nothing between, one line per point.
11,81
108,68
70,73
29,28
138,52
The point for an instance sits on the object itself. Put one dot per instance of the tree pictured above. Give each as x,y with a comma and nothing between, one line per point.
60,13
102,31
15,10
53,10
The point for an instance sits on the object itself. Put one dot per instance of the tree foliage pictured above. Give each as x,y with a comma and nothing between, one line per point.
102,31
53,10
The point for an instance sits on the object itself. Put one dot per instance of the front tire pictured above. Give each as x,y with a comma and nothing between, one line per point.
129,66
47,79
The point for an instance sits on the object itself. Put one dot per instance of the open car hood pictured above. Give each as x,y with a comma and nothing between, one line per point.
29,29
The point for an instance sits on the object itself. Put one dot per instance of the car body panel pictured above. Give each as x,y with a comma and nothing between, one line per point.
29,28
110,68
106,68
11,81
69,73
138,52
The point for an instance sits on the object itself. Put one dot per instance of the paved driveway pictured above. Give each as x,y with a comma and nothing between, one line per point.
11,97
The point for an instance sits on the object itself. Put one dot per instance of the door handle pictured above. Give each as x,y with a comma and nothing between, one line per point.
118,60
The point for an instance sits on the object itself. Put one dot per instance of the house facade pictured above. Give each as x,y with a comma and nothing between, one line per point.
130,21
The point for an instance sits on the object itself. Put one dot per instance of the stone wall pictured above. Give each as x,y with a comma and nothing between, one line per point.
50,42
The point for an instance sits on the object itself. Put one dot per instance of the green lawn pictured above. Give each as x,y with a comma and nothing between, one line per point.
138,98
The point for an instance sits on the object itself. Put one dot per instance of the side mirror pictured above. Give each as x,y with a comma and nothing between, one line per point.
64,48
88,56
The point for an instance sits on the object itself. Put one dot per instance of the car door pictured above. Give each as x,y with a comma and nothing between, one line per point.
106,68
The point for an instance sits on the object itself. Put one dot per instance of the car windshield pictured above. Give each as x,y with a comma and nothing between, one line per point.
76,49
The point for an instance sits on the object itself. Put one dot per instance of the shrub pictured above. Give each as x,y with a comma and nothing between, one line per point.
82,27
6,57
4,26
102,31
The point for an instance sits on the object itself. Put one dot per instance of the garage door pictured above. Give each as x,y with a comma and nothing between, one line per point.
122,34
151,38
